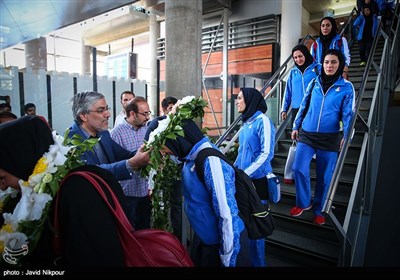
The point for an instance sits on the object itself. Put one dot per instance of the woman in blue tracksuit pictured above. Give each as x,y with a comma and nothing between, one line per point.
256,150
329,99
386,9
330,39
367,24
220,238
300,75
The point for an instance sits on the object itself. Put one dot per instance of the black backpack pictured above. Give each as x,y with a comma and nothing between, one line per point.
256,216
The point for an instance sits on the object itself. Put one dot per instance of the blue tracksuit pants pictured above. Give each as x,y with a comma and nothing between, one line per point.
325,165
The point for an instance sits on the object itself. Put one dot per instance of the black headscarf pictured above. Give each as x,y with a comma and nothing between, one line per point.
181,146
254,102
309,59
367,31
327,39
22,143
327,81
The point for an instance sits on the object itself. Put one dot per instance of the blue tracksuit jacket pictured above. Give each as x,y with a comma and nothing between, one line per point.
296,86
211,208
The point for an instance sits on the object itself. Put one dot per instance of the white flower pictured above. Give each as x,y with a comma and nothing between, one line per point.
56,154
36,193
13,240
29,208
181,102
161,202
9,191
59,159
187,99
152,173
58,142
35,180
162,125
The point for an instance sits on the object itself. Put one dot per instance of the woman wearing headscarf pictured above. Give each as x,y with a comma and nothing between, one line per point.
89,235
329,99
219,233
300,75
256,150
330,39
367,24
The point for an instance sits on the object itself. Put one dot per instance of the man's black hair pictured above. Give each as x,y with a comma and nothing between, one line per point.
168,100
28,105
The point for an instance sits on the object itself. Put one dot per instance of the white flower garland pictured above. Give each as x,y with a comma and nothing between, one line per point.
162,170
20,227
163,124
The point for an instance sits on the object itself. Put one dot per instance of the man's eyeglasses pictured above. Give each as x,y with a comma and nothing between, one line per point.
145,114
101,110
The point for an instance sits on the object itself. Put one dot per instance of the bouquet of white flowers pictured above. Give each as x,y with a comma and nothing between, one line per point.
25,216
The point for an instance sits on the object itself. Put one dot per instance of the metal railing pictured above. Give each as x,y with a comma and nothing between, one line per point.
363,178
352,233
258,31
357,206
275,83
273,87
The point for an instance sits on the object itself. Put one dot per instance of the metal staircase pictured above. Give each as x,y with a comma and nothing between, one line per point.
297,241
297,237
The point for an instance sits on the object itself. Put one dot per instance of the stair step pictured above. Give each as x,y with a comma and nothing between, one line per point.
297,241
357,77
277,255
281,211
303,245
288,143
290,190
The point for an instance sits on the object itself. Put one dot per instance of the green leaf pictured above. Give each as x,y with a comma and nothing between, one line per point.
76,142
171,136
92,141
181,133
54,186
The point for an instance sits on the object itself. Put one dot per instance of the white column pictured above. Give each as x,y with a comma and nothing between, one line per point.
183,31
36,53
85,61
290,26
154,35
225,107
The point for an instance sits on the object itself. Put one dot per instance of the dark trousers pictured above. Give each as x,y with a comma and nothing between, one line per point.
365,48
204,255
138,211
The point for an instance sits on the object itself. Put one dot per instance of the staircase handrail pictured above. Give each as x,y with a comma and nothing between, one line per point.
389,60
342,154
348,20
279,74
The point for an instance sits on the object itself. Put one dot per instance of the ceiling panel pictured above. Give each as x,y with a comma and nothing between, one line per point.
316,6
23,20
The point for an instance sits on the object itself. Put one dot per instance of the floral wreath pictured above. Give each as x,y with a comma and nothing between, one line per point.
25,217
163,171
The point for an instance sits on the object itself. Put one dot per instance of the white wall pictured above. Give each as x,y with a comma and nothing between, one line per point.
305,26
